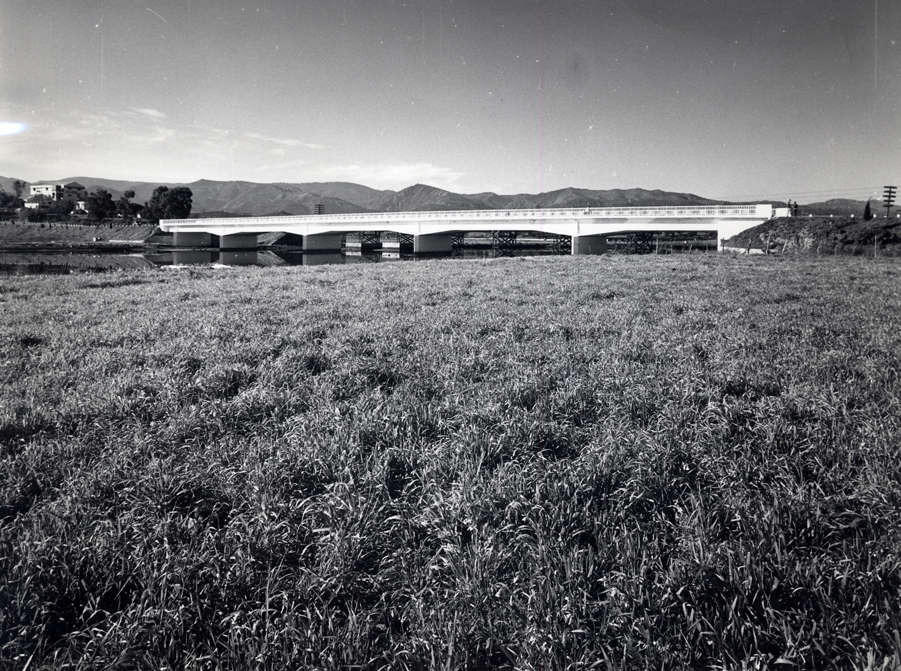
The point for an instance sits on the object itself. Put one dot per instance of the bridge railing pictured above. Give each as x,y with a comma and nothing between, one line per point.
481,215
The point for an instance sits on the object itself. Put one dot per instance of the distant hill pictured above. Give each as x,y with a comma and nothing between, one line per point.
841,206
359,195
242,197
572,197
6,183
260,199
143,190
421,197
233,197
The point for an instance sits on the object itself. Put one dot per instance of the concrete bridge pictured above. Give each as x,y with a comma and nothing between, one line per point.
433,232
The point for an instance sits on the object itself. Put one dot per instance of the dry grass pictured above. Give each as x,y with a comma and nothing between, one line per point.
652,462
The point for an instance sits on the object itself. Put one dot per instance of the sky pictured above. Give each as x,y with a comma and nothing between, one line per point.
731,99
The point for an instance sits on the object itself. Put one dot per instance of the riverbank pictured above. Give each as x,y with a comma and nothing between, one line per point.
13,235
665,462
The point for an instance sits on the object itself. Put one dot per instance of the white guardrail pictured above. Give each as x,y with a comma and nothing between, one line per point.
483,215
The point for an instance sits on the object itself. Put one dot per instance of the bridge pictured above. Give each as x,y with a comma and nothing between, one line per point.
433,232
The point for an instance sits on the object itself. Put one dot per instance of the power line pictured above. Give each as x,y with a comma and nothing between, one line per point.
859,193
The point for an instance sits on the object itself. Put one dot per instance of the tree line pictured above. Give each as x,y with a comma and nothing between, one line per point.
164,203
12,201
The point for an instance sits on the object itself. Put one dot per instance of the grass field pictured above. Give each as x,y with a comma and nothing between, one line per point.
559,462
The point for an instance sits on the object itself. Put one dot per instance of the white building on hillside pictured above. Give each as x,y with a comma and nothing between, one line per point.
55,191
51,191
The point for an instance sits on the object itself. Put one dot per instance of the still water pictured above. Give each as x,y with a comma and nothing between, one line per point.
62,261
67,261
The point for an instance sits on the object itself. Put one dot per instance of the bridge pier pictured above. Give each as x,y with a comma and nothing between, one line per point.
433,244
323,242
589,245
191,239
239,241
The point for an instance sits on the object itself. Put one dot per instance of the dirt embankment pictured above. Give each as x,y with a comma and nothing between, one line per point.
820,235
72,235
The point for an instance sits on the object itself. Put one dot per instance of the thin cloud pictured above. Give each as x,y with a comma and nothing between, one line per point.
285,142
219,132
393,175
156,114
279,166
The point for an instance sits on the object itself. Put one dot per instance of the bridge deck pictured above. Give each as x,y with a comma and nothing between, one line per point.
726,220
364,220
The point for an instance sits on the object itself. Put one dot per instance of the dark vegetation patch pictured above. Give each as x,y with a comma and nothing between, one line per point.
28,341
113,281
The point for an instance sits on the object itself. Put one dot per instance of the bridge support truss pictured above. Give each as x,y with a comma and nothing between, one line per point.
640,243
397,242
503,242
562,244
364,241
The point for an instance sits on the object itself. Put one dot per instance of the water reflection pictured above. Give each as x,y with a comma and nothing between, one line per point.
244,258
192,257
60,262
66,261
322,258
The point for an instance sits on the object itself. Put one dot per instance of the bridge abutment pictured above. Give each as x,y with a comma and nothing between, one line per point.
585,245
433,244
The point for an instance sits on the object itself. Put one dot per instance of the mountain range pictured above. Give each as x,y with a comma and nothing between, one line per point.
251,198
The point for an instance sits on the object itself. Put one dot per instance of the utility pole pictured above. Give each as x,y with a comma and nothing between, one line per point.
888,199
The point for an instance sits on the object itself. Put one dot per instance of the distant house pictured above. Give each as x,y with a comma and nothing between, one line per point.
55,191
74,191
49,191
